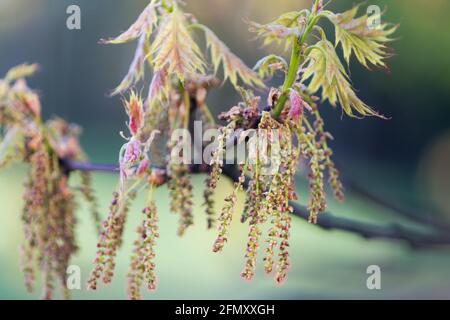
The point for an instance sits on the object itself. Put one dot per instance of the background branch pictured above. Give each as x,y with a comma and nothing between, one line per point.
327,221
421,217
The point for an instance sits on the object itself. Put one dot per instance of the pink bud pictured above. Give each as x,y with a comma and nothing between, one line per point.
296,106
136,113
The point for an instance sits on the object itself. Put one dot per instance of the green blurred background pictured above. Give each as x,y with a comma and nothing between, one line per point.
405,159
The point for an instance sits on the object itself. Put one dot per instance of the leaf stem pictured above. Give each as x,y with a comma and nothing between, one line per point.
296,61
290,78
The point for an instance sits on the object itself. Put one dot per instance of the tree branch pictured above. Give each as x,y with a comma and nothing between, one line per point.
432,220
392,231
327,221
71,165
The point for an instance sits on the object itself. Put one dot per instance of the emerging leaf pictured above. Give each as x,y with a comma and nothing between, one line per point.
160,85
284,27
233,66
268,65
327,72
355,35
21,71
143,26
137,67
175,49
142,29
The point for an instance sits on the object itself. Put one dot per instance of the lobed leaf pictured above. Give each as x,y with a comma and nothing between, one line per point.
325,70
355,35
160,85
137,67
175,49
233,67
268,65
142,26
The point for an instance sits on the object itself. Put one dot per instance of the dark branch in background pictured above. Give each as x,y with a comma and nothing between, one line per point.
327,221
424,218
89,167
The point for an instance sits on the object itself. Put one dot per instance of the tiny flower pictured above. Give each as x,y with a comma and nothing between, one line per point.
132,152
159,85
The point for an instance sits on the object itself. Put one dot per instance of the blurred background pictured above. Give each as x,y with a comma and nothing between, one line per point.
405,160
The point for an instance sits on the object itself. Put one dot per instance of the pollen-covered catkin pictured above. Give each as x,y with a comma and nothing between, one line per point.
142,266
110,240
219,155
89,194
227,213
208,196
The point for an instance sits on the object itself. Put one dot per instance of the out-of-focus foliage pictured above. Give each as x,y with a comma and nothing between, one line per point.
48,214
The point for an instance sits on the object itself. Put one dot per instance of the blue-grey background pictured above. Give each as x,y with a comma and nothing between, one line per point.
405,159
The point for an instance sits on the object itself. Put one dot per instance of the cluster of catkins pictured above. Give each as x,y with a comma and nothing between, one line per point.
49,201
291,118
135,174
147,161
268,173
151,157
292,127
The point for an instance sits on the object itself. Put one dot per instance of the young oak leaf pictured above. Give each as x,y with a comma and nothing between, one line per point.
287,25
267,66
142,29
175,49
233,66
159,86
325,70
137,67
142,26
273,32
357,36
